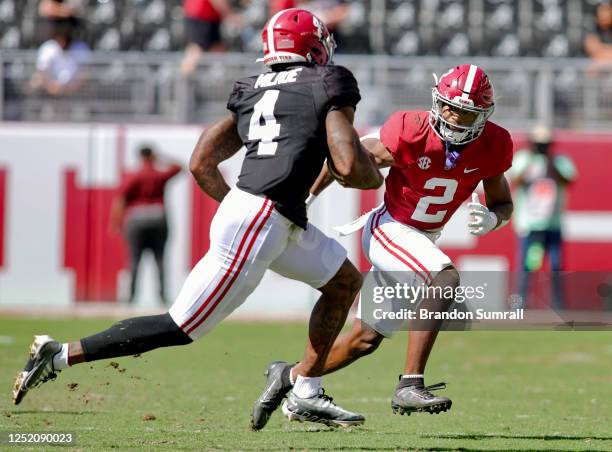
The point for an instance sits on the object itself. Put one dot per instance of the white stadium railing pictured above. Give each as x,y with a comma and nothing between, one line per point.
138,87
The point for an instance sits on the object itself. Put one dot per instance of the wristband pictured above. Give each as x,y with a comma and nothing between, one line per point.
310,199
374,135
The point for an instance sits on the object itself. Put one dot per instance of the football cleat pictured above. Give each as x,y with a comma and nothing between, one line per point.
274,393
418,398
321,409
38,368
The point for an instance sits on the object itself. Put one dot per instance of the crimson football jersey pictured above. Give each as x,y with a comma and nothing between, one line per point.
419,190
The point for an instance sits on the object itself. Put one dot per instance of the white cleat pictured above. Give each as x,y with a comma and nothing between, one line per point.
321,409
38,368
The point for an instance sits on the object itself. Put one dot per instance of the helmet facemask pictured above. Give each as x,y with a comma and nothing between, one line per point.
327,41
455,133
330,46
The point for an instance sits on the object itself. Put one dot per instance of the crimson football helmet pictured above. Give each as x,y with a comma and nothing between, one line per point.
295,36
466,88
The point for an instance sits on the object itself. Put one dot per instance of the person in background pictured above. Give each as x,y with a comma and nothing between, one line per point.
62,15
138,210
278,5
332,12
541,179
598,44
203,29
254,14
60,65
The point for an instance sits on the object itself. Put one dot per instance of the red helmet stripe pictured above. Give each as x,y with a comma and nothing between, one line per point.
467,89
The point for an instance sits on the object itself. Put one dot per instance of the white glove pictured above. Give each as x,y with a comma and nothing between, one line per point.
483,220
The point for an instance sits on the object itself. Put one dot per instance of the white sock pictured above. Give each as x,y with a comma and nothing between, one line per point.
291,380
413,376
306,387
60,360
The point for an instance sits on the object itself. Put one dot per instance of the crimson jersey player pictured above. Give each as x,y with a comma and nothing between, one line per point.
436,160
427,183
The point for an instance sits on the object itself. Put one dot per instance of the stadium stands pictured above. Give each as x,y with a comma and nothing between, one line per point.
147,87
531,48
549,28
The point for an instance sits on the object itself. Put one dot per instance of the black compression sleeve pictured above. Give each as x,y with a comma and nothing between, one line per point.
133,336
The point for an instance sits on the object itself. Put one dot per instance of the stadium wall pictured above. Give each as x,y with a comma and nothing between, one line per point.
57,182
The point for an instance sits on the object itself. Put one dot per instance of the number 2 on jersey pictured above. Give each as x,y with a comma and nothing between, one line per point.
270,129
420,211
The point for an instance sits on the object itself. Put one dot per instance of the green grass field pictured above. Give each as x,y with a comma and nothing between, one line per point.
543,391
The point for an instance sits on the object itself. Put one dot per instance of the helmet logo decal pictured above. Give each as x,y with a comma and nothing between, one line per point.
424,162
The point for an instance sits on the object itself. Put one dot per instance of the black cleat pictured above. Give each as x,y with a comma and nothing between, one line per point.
274,393
321,409
417,398
38,368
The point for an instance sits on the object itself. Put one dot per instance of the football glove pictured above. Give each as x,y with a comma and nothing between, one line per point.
483,220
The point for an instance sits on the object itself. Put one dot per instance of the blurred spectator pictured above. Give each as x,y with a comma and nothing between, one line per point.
279,5
331,12
254,15
203,29
60,65
59,15
541,180
598,45
139,211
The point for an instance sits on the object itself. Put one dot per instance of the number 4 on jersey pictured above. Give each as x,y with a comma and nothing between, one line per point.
270,129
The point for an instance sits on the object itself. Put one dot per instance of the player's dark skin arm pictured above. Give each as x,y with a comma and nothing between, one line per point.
216,144
354,165
498,197
382,158
324,180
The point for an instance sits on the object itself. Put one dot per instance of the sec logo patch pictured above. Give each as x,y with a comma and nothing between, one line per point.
424,162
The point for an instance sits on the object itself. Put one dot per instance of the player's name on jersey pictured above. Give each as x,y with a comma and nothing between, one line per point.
277,78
